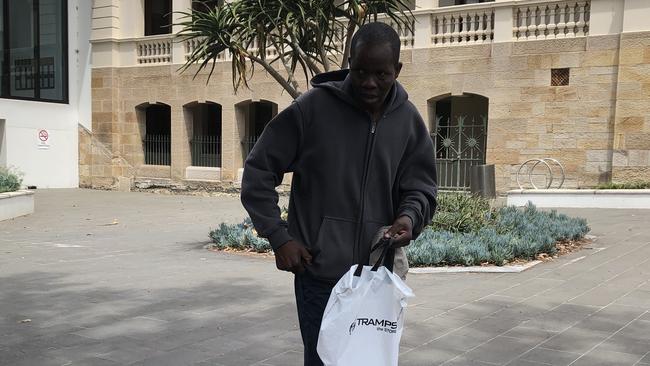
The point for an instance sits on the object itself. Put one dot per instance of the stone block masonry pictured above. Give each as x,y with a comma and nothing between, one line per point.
598,126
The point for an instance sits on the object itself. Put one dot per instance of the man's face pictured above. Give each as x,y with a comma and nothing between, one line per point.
373,72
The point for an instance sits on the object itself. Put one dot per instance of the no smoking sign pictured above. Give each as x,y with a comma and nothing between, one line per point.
43,135
43,140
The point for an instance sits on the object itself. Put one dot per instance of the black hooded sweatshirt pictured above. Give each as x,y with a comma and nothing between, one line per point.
350,176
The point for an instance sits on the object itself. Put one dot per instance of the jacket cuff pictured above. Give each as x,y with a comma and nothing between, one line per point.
279,238
411,214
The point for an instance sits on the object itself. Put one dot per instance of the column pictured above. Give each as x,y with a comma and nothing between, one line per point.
178,6
503,23
180,154
422,31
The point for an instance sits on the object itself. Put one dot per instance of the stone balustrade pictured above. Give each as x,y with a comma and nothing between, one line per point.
154,51
462,27
551,20
406,35
436,27
190,46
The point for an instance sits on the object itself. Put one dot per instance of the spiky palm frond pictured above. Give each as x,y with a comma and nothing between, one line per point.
301,34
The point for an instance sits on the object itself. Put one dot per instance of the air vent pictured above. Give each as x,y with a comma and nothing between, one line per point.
560,77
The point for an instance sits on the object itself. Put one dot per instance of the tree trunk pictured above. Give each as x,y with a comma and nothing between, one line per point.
294,92
348,40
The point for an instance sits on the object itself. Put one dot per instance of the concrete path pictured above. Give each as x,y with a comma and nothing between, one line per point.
107,278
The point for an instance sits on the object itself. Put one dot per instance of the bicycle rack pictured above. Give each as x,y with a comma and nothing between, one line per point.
536,162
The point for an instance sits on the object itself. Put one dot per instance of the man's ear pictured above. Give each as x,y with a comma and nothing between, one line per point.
398,68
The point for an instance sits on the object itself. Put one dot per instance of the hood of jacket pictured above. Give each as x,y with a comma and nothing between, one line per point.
339,83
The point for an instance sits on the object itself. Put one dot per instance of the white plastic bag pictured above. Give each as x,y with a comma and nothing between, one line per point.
364,319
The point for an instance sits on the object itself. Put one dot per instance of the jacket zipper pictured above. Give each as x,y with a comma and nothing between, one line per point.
356,255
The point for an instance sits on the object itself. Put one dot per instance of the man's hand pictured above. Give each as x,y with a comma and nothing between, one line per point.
292,256
401,232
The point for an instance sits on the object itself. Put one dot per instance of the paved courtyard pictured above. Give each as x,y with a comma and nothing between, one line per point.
108,278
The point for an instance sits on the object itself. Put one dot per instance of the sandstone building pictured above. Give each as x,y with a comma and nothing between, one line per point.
498,82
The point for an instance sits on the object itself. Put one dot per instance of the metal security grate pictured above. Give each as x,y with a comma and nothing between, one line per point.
249,142
157,150
560,77
460,143
206,151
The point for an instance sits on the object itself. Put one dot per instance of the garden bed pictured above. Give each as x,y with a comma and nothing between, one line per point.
16,204
465,232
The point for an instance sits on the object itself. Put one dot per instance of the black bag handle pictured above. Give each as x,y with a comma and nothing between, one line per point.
386,258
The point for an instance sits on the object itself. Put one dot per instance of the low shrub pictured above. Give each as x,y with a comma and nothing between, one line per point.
463,213
239,237
514,234
465,231
629,185
10,180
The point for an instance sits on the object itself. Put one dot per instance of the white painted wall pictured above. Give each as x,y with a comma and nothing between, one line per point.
637,13
3,144
57,166
606,17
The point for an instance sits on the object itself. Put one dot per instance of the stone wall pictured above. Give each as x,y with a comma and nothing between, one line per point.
528,118
631,155
121,94
98,167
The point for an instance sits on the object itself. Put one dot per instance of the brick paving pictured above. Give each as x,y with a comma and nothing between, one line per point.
108,278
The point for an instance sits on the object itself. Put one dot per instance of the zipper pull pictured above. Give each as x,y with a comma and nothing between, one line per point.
373,128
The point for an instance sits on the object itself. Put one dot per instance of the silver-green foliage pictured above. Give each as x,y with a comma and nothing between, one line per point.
471,235
240,237
10,180
510,233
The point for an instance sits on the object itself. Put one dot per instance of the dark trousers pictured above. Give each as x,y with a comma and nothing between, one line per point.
311,299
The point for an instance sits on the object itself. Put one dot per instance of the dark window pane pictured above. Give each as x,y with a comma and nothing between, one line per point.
52,50
205,5
410,4
22,65
157,15
33,52
2,48
461,2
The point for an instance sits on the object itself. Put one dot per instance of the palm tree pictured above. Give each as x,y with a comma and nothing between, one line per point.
303,36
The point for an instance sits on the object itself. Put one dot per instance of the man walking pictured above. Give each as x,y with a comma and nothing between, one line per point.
361,159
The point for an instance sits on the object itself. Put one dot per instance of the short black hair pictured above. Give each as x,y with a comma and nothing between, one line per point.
376,34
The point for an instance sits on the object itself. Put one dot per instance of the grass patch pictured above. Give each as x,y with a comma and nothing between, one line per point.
465,231
10,180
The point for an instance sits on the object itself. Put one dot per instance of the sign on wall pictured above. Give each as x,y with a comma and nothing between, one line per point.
43,140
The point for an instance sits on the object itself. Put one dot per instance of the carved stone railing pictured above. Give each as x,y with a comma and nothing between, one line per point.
551,20
462,27
154,51
190,45
406,35
508,21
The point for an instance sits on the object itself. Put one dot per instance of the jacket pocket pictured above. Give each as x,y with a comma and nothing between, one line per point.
334,247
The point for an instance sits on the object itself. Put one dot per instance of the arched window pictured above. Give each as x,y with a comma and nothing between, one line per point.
256,116
205,139
459,132
157,139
